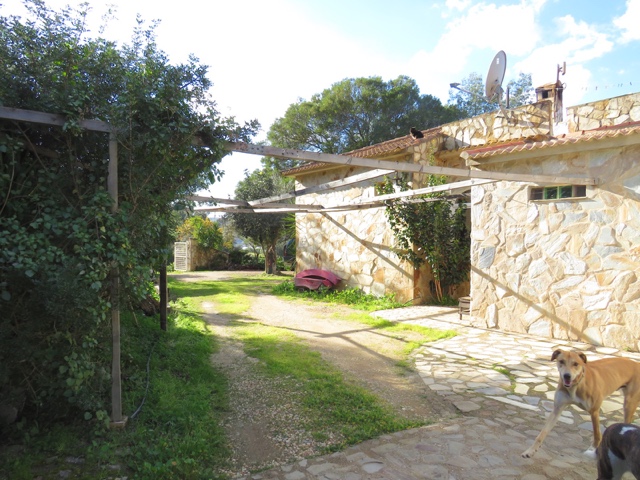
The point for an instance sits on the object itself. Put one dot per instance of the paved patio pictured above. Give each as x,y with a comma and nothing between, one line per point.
502,385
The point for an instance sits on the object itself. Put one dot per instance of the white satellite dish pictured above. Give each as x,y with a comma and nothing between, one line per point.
495,76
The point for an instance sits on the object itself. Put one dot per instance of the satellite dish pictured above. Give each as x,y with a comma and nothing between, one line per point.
496,75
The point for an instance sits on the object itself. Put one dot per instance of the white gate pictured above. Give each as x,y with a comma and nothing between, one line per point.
181,257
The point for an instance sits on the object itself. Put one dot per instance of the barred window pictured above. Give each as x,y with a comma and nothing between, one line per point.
558,192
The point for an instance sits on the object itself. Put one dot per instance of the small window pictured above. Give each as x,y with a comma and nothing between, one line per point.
563,191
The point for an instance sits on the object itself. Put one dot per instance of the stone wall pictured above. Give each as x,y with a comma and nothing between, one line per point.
499,126
356,245
566,269
604,113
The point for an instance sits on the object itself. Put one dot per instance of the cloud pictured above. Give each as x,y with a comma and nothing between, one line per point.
477,27
580,43
628,22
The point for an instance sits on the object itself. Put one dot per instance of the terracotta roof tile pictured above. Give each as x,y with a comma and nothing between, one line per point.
537,143
378,150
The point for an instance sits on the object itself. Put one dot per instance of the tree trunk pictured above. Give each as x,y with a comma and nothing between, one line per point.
271,261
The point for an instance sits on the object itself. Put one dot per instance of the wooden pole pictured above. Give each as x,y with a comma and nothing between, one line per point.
117,419
163,296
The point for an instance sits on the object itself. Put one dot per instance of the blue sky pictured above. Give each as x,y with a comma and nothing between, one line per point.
266,54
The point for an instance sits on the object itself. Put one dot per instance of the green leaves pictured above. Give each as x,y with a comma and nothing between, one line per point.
355,113
58,236
475,102
434,232
207,234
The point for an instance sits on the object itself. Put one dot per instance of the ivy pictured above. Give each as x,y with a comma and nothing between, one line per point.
58,236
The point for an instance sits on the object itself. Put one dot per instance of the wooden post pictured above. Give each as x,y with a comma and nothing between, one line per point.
163,296
117,419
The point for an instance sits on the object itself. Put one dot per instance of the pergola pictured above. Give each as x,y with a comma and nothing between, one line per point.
377,168
117,419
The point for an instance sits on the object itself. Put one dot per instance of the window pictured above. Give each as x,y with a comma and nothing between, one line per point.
562,191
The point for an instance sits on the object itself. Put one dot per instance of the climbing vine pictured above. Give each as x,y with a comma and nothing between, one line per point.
58,236
430,229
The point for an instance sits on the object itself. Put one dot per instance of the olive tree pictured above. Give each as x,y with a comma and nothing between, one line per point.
264,229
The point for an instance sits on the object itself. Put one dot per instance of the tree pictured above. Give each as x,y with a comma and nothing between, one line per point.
473,101
264,229
356,113
206,233
433,231
58,237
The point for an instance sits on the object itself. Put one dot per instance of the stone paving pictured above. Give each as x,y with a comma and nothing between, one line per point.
503,386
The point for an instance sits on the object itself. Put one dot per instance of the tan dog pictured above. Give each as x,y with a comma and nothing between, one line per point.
587,385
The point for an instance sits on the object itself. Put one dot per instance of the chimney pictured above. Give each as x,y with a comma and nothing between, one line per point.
552,91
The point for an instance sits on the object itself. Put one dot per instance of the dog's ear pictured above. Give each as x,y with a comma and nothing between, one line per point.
583,357
555,354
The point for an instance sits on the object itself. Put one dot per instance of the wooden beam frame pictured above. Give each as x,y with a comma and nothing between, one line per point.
374,202
404,166
30,116
297,193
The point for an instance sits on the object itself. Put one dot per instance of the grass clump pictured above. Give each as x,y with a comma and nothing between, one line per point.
354,297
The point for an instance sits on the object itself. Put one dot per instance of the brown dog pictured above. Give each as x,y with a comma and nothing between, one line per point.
587,385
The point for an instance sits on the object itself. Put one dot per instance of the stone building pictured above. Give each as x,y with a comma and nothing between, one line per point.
555,225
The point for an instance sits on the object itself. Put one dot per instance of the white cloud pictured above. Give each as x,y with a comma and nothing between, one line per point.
583,41
629,21
482,26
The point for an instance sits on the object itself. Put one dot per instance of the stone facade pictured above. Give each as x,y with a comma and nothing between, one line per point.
566,269
356,245
604,113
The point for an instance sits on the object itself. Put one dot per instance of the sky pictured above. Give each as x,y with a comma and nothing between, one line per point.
264,55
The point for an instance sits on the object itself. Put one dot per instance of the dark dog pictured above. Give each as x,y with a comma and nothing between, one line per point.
619,452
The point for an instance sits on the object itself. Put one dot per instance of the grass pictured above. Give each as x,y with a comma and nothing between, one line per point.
332,403
177,432
353,297
175,435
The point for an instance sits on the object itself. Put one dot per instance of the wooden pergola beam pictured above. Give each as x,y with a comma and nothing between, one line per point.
117,418
51,119
404,166
453,188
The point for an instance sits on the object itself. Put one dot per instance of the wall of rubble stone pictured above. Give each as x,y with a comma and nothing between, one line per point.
566,269
356,245
499,126
604,113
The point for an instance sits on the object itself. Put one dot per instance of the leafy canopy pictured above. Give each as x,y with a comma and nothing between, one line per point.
356,113
264,229
475,103
58,237
206,233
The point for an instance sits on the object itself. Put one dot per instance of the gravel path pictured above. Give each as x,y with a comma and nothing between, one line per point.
266,424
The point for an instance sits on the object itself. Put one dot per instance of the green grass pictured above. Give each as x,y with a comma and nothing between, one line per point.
353,297
333,403
175,435
177,432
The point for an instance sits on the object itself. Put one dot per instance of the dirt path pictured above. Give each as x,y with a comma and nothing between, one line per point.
265,423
